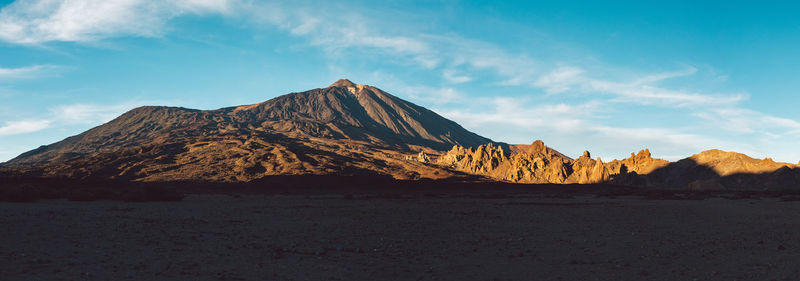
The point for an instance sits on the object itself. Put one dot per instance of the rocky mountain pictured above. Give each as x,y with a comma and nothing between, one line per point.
352,129
346,110
709,170
535,163
717,169
345,128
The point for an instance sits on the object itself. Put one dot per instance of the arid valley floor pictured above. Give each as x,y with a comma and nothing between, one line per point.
403,236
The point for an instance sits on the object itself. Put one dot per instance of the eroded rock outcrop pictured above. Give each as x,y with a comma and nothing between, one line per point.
535,163
421,157
481,160
534,168
587,170
639,163
709,170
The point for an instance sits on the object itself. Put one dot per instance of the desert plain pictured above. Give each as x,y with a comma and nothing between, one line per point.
524,234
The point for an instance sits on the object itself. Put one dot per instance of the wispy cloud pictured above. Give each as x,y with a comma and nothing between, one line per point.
355,34
41,21
461,58
453,76
337,31
653,95
68,115
27,72
560,80
745,121
90,113
508,112
641,89
23,127
575,127
417,92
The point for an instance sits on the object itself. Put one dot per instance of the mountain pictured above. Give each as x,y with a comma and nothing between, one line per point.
352,129
345,128
717,169
358,112
708,170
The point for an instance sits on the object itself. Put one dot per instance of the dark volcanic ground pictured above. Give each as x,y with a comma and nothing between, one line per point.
433,237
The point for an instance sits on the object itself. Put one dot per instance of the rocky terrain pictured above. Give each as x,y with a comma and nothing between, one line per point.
351,183
709,170
406,236
717,169
344,129
349,129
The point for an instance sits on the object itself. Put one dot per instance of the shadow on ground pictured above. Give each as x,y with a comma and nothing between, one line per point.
29,189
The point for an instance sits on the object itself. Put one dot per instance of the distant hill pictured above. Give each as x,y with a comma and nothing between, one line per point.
709,170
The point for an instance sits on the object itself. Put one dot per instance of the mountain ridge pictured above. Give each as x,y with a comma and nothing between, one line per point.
354,129
335,112
345,128
708,170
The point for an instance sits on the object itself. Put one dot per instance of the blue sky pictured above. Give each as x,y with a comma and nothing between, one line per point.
611,77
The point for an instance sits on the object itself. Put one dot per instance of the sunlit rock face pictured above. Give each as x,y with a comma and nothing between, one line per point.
709,170
535,163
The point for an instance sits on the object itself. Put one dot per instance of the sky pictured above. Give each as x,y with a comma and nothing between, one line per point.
611,77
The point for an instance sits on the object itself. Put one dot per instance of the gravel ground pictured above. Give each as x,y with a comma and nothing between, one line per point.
336,237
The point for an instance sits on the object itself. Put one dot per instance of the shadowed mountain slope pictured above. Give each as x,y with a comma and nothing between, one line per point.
344,128
716,169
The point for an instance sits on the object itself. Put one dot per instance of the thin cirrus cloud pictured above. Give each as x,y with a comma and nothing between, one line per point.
23,127
464,56
452,76
351,33
90,113
42,21
745,121
38,21
337,31
642,90
427,94
27,72
68,115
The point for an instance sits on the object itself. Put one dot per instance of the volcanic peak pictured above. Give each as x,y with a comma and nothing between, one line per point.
343,83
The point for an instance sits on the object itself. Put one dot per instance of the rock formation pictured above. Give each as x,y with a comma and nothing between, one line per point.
709,170
639,163
422,157
535,163
352,129
480,160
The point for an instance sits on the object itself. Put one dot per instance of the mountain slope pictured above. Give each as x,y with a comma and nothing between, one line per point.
359,112
351,129
717,169
708,170
344,128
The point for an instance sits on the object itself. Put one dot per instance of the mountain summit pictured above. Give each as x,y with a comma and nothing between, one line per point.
343,83
345,128
346,110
